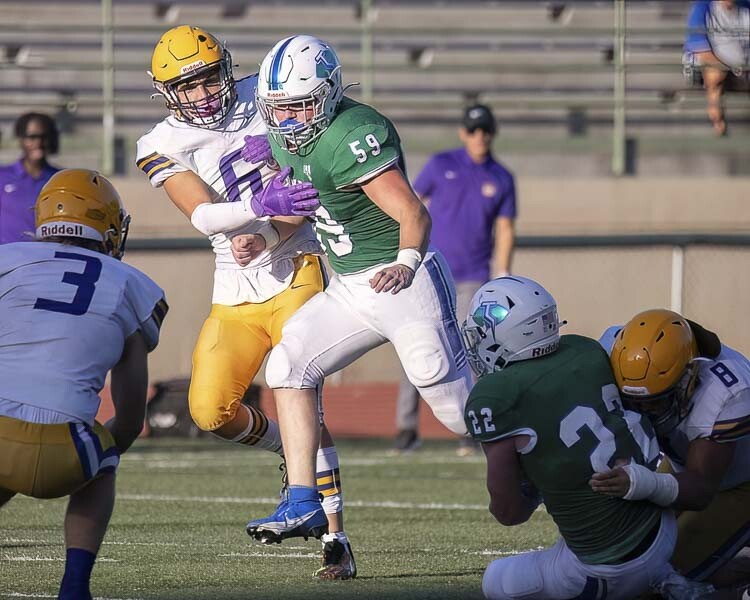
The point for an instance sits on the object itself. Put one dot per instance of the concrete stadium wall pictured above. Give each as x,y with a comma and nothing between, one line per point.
595,287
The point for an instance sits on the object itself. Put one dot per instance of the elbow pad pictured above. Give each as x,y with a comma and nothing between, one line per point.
221,217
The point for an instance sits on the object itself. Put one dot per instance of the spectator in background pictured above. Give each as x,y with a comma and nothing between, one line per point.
472,200
718,47
21,182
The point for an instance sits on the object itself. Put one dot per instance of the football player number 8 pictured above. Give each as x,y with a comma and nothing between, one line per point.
361,153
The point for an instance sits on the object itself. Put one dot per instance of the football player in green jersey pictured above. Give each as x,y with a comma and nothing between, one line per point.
387,286
548,414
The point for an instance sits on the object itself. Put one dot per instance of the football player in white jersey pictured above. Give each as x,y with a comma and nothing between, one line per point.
200,156
696,392
68,302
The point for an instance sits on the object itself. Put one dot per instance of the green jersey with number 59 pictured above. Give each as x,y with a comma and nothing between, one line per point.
569,405
359,144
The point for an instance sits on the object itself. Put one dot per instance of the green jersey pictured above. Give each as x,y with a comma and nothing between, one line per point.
569,405
358,144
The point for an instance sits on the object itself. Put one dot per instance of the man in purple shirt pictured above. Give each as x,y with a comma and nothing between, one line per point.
472,201
21,182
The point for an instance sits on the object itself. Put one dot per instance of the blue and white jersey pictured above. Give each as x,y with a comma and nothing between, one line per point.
719,411
173,146
65,313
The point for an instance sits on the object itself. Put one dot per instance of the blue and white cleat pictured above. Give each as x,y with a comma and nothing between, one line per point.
299,514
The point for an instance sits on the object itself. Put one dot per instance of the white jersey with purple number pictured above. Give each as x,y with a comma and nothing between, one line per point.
65,313
720,411
173,146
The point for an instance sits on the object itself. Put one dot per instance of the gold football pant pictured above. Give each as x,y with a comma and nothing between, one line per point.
50,461
708,539
234,341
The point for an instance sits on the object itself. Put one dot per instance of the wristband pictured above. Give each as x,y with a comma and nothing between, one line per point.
659,488
409,257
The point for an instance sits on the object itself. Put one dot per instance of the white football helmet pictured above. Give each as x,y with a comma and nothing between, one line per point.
301,72
510,318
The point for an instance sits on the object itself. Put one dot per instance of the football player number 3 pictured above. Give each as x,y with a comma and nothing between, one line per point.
85,284
361,153
585,417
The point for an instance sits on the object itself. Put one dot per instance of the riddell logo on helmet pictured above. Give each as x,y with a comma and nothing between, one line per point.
192,67
544,350
277,94
60,229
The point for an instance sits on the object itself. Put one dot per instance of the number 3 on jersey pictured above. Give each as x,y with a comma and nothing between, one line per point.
361,153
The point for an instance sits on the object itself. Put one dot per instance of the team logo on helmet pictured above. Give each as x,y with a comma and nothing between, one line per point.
490,314
326,62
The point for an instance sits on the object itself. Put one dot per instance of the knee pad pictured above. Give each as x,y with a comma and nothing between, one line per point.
288,368
210,408
447,401
423,354
512,579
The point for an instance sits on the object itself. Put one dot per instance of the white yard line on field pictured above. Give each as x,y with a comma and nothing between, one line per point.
350,503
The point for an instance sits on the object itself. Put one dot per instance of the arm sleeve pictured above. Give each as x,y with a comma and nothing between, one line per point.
147,306
696,39
363,153
222,217
424,183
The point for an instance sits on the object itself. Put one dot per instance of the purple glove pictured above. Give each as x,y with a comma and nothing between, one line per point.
278,199
256,149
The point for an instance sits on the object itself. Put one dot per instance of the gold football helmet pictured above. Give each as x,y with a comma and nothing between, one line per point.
193,71
80,203
653,363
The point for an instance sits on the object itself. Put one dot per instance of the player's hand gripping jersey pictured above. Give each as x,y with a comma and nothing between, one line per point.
584,430
67,312
174,146
359,144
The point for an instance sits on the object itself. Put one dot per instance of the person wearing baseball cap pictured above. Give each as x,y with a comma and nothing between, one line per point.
472,201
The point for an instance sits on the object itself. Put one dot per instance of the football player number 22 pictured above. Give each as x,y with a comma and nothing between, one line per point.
84,282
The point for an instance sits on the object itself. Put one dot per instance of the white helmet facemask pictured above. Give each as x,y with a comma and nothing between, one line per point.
301,73
510,319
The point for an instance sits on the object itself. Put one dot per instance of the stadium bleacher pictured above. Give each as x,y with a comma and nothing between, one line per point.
547,68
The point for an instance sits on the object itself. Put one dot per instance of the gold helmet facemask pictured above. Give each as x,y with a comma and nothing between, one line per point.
80,203
654,363
192,70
